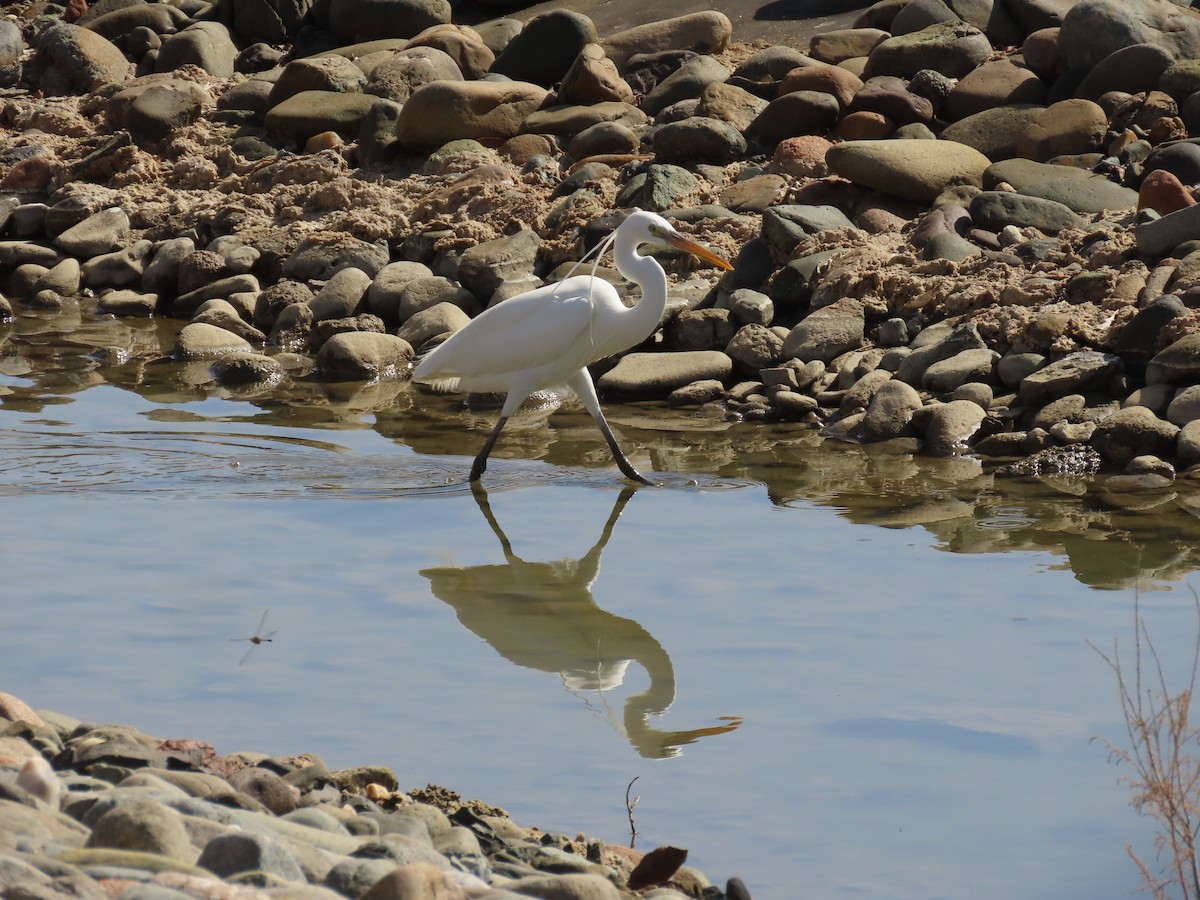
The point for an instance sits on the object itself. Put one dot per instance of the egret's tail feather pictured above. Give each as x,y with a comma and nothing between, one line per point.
440,384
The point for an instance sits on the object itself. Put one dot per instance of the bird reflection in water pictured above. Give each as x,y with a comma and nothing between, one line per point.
541,615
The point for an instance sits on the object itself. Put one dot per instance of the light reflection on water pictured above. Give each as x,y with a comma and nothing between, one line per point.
834,670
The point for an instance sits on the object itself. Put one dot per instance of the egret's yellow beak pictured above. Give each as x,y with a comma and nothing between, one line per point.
679,242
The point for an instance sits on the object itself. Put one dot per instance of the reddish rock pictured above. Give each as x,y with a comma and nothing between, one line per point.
864,126
818,76
75,11
801,156
1164,193
31,174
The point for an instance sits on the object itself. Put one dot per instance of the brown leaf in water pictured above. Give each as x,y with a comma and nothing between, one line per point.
656,867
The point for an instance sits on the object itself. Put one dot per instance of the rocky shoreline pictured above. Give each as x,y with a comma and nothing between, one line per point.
96,812
963,227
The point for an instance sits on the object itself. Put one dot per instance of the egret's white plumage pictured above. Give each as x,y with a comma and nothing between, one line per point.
546,338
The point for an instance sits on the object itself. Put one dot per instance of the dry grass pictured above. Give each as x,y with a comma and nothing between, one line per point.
1164,756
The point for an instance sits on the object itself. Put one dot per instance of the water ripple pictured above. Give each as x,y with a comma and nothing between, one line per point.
223,464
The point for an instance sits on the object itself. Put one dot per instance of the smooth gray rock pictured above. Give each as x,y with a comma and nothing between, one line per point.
1085,195
442,318
1132,432
1178,362
827,333
333,73
319,259
951,426
229,854
425,293
755,347
699,139
1073,374
889,413
657,374
74,60
750,307
1160,236
313,112
241,369
993,132
161,110
1184,406
784,227
199,340
483,267
1095,29
362,356
102,232
947,375
342,295
546,47
204,44
121,268
146,826
132,304
185,305
11,45
951,48
686,82
932,346
951,246
996,209
64,278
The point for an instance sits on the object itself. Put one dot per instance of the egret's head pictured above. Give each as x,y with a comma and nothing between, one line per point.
651,228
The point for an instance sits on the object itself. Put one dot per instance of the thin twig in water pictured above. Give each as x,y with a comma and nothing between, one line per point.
629,805
1164,755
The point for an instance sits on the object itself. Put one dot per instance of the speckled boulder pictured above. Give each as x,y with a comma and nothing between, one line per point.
74,60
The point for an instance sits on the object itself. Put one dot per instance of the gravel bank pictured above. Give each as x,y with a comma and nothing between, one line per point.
96,812
960,227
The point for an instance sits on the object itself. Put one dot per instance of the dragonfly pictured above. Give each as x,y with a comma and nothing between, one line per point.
259,637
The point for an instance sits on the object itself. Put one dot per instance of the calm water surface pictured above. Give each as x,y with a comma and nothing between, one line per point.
834,672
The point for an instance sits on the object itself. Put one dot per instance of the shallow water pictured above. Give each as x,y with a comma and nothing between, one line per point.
833,671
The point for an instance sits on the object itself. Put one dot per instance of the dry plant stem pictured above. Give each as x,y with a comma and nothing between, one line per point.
1164,755
629,805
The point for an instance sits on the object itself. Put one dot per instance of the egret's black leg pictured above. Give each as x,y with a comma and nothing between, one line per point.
480,464
622,462
582,385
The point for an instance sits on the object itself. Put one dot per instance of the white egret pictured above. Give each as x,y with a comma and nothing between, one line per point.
546,338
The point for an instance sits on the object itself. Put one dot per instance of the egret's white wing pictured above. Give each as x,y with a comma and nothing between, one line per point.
529,331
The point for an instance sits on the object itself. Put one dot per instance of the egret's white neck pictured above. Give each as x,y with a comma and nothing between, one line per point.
647,274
